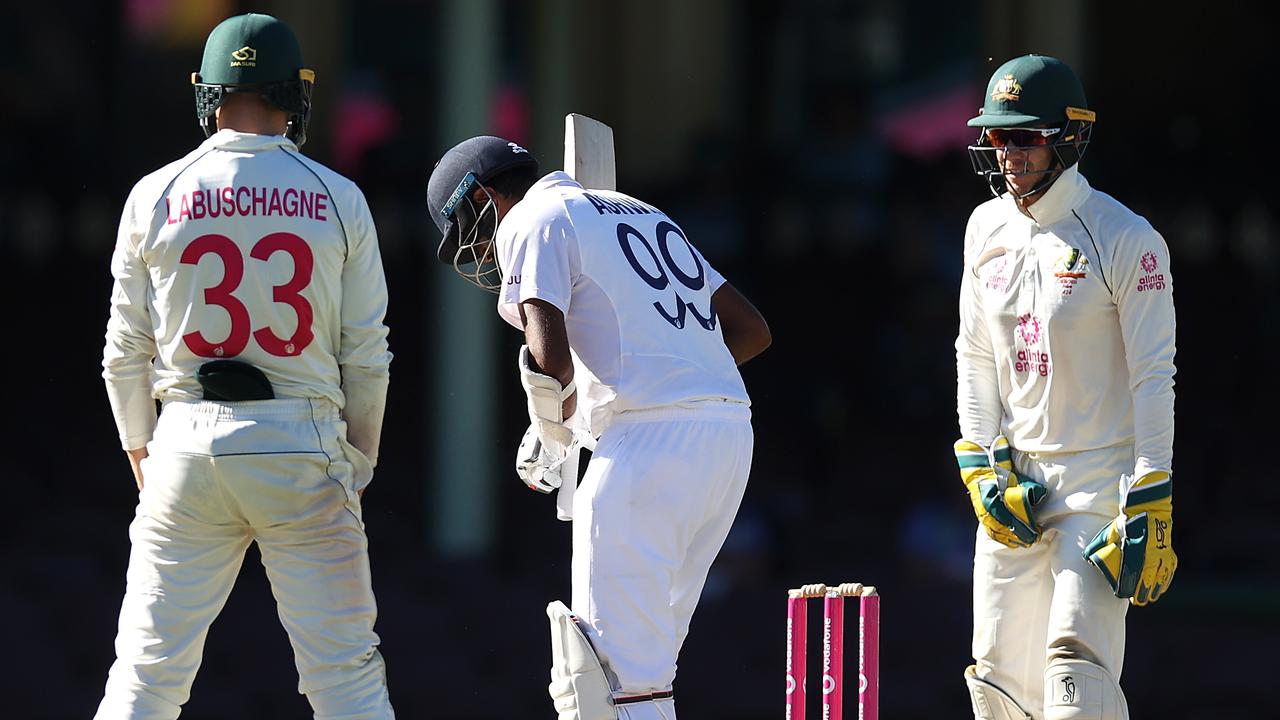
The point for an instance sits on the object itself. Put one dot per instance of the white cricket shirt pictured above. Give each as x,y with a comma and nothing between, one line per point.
244,249
635,293
1067,326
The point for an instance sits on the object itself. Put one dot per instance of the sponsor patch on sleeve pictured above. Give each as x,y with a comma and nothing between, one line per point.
1151,277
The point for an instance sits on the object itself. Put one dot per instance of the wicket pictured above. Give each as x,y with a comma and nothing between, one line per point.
833,649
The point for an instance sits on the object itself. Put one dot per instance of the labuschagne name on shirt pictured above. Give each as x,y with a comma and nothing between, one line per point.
247,201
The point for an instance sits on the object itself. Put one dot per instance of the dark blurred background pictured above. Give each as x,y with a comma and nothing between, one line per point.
815,153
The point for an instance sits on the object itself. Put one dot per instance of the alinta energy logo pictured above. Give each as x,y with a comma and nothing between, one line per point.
1031,358
1151,280
998,280
1029,329
244,57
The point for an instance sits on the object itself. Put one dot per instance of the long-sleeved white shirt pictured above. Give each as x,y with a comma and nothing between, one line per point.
247,249
1067,327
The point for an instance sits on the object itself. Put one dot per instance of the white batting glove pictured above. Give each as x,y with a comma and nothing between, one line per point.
536,465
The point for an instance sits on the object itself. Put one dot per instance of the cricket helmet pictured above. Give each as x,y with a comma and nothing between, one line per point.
254,53
467,230
1033,91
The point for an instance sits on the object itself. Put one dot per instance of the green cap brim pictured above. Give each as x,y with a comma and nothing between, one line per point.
1010,120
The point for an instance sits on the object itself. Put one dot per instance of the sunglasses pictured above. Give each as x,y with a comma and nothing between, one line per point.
1021,137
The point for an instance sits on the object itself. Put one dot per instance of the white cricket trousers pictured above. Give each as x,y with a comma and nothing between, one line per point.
1034,605
217,477
655,506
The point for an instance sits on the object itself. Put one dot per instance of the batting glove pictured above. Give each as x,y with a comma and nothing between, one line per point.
1003,500
536,465
1135,551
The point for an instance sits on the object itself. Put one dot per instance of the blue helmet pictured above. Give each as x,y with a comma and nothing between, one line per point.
467,230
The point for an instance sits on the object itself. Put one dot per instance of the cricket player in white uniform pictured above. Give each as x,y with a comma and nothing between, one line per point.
1065,366
249,300
634,340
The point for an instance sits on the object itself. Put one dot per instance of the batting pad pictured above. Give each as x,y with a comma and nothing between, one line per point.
579,689
1081,690
990,702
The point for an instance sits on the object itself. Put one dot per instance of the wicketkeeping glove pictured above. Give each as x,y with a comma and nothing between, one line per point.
1135,551
1003,500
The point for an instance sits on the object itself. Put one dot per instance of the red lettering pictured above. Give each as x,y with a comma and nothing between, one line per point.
291,206
220,295
241,207
308,208
290,293
320,206
228,201
197,205
184,208
1151,282
1036,362
259,201
273,208
168,210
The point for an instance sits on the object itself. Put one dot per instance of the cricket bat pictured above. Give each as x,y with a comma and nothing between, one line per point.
589,159
588,152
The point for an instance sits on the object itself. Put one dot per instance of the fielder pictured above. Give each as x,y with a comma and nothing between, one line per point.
632,342
249,299
1065,400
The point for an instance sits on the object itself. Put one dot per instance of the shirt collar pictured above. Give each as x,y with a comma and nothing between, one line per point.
557,178
232,140
1067,193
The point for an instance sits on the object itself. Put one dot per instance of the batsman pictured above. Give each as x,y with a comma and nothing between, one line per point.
632,343
1065,365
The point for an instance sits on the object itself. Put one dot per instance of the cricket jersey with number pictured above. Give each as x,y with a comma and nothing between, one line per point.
635,293
243,249
1067,326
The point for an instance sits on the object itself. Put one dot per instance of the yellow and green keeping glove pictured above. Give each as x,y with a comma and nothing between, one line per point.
1003,500
1135,551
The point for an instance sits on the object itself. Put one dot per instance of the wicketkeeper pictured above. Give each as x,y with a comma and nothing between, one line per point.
1065,367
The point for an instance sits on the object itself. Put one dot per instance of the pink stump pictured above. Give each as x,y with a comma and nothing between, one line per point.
869,658
797,628
833,656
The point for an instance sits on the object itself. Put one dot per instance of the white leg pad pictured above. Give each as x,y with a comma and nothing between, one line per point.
990,702
1081,690
579,687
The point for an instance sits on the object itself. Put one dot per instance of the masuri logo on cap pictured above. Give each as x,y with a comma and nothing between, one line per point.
244,57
